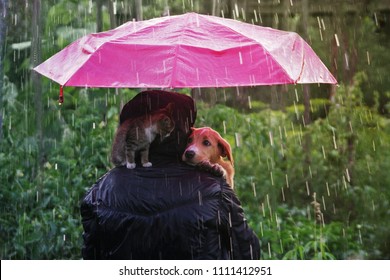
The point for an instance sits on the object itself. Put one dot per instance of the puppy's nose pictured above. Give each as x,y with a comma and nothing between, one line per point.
189,154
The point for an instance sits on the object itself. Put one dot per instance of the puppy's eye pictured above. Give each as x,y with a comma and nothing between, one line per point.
206,143
189,140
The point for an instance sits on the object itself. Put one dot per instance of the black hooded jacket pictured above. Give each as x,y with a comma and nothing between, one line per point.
168,211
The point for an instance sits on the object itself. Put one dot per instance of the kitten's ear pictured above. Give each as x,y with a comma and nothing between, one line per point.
170,107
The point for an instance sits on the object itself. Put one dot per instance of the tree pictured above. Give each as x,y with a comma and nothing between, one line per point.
3,13
36,59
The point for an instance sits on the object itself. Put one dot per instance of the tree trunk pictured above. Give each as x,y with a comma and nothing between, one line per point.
36,78
112,13
216,8
138,10
3,13
306,98
99,16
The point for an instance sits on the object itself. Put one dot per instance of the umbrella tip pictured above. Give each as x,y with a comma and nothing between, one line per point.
61,97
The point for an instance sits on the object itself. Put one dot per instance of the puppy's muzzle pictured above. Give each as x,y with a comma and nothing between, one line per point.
189,154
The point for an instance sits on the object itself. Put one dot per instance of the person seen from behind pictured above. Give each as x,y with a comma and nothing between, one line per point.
170,210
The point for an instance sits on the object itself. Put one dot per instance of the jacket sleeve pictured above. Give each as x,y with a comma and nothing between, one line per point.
90,249
244,244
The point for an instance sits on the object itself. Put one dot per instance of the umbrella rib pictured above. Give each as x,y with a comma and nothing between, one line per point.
258,43
301,72
177,46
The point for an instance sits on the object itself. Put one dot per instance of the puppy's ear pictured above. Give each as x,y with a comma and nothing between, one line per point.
226,150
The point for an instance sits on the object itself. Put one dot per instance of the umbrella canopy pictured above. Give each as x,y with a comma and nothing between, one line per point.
189,50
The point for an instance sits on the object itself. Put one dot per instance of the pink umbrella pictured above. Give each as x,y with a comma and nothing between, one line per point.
189,50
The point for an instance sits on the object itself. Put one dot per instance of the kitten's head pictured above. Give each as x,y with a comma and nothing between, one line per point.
165,122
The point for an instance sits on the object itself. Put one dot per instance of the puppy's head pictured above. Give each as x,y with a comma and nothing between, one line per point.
206,144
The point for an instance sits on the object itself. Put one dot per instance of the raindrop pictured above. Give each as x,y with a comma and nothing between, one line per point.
238,139
347,173
272,178
255,12
368,168
261,229
346,57
243,14
376,19
277,221
254,189
263,209
249,102
280,132
201,202
240,56
368,58
269,250
307,188
197,21
337,40
269,208
323,203
281,245
90,5
345,183
271,138
334,140
114,5
282,150
283,197
236,9
320,29
360,236
287,184
323,151
327,188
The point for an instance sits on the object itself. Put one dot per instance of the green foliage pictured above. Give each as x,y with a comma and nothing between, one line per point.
349,159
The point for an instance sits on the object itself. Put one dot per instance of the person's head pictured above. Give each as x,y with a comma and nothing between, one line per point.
184,115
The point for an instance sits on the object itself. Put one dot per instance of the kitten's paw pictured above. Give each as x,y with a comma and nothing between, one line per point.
130,165
147,164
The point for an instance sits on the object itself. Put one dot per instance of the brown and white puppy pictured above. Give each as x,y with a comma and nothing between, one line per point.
206,149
